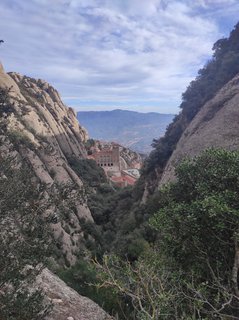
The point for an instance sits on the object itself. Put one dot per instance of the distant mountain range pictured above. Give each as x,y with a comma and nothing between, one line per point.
131,129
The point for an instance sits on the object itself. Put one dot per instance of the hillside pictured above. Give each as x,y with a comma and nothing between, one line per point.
43,132
131,129
166,247
43,201
217,72
215,125
191,206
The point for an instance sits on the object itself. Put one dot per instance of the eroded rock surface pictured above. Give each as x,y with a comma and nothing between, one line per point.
216,125
67,303
45,133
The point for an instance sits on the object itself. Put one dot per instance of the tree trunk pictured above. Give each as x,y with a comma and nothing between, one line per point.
235,270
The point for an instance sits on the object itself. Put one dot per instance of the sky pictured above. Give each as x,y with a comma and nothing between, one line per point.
105,54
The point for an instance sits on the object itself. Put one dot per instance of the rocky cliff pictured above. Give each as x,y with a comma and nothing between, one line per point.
130,159
211,78
66,303
215,125
43,132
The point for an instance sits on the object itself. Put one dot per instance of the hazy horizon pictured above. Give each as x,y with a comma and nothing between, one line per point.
118,109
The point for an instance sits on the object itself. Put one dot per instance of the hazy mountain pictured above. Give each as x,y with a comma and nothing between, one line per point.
132,129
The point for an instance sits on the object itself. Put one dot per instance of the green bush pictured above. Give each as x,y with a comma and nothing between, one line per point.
19,138
192,270
88,171
83,277
198,226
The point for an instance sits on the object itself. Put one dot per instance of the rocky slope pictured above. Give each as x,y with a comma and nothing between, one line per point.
215,125
66,303
211,78
43,132
130,159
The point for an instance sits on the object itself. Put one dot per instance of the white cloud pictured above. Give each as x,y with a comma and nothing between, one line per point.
104,50
206,3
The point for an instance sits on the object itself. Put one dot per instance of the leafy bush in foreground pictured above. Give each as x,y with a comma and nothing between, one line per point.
192,273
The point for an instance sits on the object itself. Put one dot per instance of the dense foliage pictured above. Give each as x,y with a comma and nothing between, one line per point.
198,226
88,171
120,224
115,229
192,271
119,221
83,277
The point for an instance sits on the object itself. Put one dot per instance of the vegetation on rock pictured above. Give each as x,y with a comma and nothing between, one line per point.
24,243
24,237
223,66
192,270
174,257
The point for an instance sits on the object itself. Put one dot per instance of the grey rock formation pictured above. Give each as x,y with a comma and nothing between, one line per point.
67,303
47,134
216,125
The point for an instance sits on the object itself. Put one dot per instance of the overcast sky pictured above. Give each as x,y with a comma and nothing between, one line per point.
105,54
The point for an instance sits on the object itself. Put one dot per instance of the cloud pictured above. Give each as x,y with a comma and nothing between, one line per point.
142,52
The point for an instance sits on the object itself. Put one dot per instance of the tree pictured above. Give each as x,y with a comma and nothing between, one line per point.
198,225
192,272
145,284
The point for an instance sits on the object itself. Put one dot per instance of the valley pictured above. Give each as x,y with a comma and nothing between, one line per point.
131,129
121,165
97,223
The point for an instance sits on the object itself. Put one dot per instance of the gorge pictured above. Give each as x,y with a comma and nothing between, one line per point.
165,248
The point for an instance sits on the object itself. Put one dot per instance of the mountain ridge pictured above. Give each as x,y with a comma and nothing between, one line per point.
132,129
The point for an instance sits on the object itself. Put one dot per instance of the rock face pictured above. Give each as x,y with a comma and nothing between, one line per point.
67,303
43,132
216,125
130,158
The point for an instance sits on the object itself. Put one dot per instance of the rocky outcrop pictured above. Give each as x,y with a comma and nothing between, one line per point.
130,159
215,125
67,304
43,132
